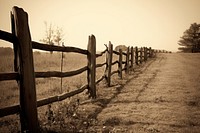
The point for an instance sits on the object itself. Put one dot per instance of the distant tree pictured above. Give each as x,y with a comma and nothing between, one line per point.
122,47
52,36
190,41
48,38
58,36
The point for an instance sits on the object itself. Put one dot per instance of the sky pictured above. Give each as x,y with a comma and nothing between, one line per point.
153,23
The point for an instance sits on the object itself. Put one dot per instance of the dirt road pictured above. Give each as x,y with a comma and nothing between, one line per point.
162,96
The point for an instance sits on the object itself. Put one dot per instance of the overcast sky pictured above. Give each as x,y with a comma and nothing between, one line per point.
155,23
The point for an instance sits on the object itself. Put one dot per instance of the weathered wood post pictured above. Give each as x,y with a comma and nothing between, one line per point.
109,63
150,52
136,55
141,55
127,60
145,54
28,101
132,58
91,56
120,64
153,53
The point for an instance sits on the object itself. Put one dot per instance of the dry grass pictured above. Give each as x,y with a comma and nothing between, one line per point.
150,99
46,87
9,90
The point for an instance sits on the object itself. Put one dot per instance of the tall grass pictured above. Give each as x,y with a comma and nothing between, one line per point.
46,87
6,59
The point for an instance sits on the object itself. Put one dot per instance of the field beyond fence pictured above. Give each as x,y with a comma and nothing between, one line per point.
28,75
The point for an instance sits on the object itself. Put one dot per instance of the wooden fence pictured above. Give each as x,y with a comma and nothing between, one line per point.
25,75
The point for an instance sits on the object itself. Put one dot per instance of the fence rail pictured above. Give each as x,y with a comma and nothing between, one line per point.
47,47
25,74
100,54
61,97
9,76
6,36
59,74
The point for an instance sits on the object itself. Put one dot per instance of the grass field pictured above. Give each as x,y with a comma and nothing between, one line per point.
45,87
161,95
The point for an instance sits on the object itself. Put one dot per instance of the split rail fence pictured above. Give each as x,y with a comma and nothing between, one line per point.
25,75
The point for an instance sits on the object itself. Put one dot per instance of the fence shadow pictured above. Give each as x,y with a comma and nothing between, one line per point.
103,102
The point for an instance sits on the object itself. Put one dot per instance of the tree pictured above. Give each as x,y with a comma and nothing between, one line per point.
58,36
190,41
122,47
52,36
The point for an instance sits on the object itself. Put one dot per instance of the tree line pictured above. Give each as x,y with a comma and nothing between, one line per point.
190,41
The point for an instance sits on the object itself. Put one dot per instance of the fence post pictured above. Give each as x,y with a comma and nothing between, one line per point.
127,60
141,54
145,54
91,56
150,52
136,55
132,58
109,63
28,101
120,64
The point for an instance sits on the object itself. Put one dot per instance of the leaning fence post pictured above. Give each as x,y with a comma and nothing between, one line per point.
91,56
28,101
136,55
127,60
120,64
132,57
109,63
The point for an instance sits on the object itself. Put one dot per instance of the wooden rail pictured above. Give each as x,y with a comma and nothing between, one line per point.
26,75
47,47
6,36
9,76
14,109
100,65
100,54
60,74
61,97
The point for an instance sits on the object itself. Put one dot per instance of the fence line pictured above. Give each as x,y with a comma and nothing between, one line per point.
25,74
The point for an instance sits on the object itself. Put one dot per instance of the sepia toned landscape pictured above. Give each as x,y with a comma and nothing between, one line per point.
161,95
100,66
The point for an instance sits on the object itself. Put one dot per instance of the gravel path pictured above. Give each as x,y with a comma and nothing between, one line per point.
162,96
